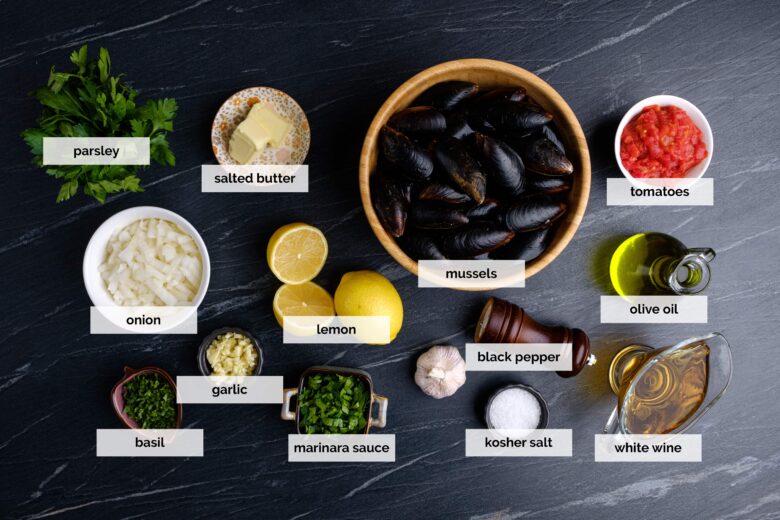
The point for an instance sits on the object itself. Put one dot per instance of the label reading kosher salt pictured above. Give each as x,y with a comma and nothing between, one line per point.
530,357
518,443
660,192
654,309
341,448
647,448
230,389
251,178
471,274
95,150
149,443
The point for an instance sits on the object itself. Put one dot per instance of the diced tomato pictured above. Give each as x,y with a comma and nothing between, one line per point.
661,142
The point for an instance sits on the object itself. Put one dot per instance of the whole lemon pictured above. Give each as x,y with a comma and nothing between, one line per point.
368,293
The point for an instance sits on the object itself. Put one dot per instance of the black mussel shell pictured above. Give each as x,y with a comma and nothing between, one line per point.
436,216
532,212
525,246
418,120
458,124
461,167
488,211
508,116
515,94
474,240
390,198
438,192
405,155
504,166
542,156
550,134
548,184
420,246
446,95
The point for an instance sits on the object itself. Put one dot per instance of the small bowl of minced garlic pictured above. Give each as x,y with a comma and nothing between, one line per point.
230,351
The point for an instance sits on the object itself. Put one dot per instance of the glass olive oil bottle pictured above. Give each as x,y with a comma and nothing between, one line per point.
658,264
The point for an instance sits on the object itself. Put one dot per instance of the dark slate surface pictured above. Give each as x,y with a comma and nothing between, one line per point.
340,64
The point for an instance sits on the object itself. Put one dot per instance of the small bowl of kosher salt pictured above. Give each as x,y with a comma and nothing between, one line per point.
516,407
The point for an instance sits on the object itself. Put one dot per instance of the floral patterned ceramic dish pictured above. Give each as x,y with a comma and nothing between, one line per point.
235,110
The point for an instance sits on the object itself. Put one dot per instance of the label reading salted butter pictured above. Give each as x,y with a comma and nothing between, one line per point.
252,178
149,443
648,448
518,443
653,309
230,389
527,357
341,448
660,192
336,329
110,319
471,274
95,150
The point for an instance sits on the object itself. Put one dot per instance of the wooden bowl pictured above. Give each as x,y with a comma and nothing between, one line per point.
487,74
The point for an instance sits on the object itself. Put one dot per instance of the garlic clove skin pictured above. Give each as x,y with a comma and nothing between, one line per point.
440,371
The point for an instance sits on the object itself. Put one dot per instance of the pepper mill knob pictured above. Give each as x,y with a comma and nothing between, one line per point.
504,322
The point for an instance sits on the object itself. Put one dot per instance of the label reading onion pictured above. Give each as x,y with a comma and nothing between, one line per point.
151,262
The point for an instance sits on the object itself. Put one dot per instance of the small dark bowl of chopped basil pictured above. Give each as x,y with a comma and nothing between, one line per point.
334,400
145,398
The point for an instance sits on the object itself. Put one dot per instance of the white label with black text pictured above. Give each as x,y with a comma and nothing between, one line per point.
255,178
518,443
95,150
113,319
660,192
336,329
149,443
471,274
527,357
230,389
341,448
654,309
648,448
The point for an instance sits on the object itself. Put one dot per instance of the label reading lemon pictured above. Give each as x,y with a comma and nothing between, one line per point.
368,293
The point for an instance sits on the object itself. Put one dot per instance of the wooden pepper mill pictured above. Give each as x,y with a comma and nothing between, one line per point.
504,322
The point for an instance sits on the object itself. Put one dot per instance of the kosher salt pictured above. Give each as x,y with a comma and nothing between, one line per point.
515,409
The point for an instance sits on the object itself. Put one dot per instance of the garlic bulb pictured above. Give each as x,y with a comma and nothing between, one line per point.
440,371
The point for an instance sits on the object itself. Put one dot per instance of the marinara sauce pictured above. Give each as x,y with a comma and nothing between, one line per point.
661,142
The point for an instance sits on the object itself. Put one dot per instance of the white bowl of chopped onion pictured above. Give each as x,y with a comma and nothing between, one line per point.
146,256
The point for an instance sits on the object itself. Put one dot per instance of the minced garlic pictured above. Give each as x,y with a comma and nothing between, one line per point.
232,354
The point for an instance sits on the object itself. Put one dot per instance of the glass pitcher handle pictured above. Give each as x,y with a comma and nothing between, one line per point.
705,253
612,423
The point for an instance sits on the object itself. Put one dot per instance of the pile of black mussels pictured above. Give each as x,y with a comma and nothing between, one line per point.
464,173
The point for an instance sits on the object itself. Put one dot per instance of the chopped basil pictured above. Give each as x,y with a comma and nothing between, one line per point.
333,403
150,401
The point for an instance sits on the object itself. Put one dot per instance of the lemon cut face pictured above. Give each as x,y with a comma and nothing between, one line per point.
306,299
296,253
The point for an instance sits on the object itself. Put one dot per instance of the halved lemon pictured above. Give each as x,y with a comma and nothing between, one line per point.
307,299
296,252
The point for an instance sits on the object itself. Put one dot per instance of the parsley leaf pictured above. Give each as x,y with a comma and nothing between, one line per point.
90,102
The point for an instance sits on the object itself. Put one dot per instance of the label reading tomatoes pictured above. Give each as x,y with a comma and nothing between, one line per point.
661,142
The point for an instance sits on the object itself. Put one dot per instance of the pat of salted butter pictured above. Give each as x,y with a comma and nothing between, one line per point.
247,141
276,126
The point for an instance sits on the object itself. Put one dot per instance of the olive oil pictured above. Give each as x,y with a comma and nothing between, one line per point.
658,264
667,393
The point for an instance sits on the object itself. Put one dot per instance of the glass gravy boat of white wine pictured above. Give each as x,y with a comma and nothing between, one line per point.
667,390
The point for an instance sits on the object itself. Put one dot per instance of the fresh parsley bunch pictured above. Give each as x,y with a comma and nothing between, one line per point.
90,102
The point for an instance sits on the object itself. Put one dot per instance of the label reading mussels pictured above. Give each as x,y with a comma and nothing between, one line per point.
471,274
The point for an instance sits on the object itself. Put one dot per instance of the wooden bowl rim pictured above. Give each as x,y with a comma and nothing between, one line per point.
577,207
